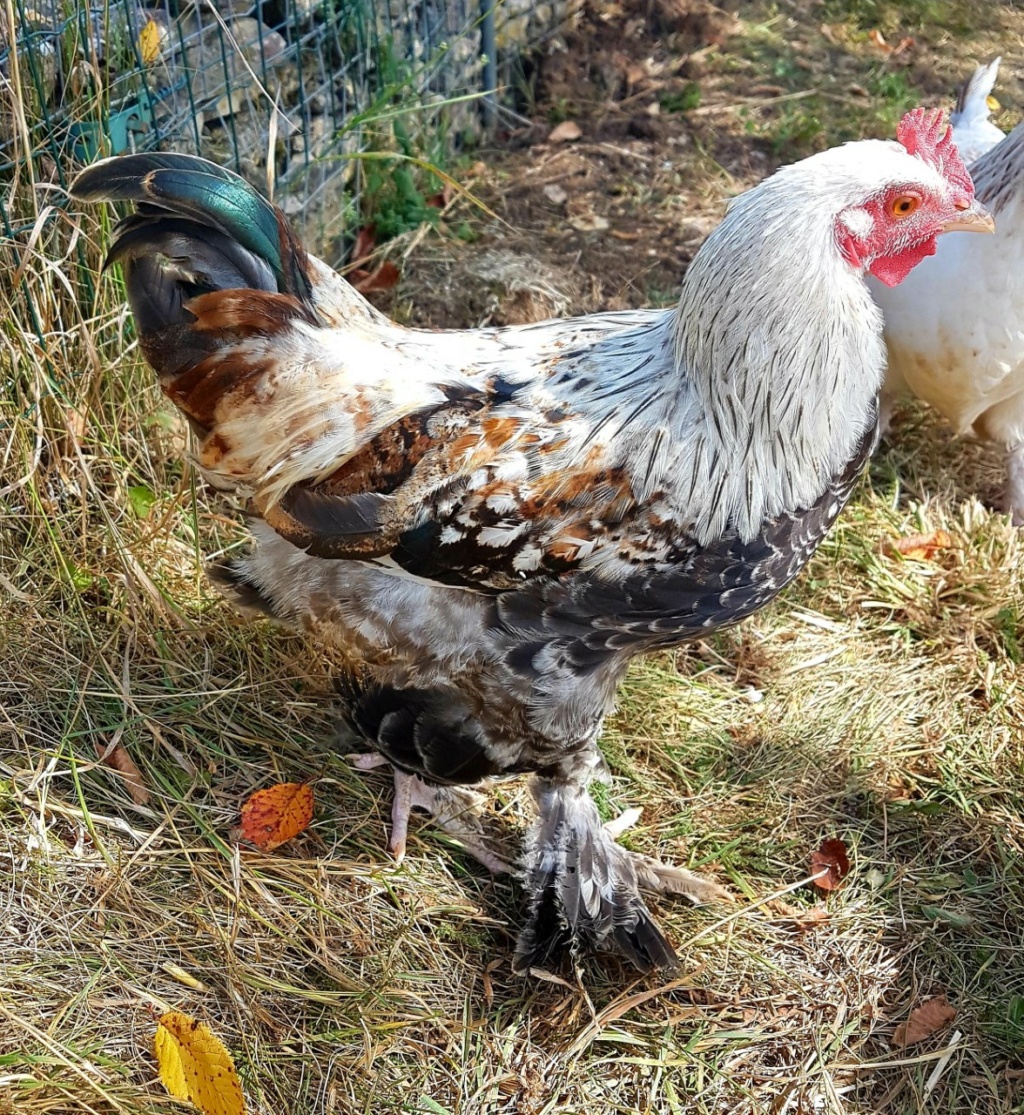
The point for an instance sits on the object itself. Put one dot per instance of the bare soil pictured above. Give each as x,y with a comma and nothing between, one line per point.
679,106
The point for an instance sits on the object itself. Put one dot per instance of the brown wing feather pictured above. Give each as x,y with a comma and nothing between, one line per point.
362,508
430,492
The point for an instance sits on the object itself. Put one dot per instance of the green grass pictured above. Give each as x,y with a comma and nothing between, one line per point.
845,86
930,18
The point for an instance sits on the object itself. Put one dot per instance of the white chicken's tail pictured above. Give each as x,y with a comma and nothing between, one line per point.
972,100
973,131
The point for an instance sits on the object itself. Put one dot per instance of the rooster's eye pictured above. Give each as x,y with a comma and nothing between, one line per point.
904,205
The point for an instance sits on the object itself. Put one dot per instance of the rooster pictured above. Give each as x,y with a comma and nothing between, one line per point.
492,523
955,330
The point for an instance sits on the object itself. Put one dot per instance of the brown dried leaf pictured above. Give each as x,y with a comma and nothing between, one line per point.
923,547
830,864
195,1066
274,815
440,200
878,39
800,918
932,1015
383,277
635,74
366,241
566,132
115,757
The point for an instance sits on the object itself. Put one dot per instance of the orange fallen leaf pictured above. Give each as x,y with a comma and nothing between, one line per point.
923,547
380,278
441,199
274,815
878,39
115,757
195,1066
830,864
932,1015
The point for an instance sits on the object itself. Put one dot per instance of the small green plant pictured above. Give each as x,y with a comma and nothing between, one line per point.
560,110
399,190
1007,625
681,100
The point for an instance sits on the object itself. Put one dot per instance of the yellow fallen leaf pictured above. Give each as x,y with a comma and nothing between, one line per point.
276,814
149,42
195,1066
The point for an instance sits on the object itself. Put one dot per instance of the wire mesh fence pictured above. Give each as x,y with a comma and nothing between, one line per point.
283,91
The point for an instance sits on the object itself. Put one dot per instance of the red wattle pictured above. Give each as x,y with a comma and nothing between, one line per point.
894,269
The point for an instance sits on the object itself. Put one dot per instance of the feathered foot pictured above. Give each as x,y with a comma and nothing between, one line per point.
585,888
658,877
453,808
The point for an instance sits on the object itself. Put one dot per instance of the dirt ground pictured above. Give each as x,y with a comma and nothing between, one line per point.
679,105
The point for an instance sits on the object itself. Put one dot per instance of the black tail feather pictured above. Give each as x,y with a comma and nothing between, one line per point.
197,228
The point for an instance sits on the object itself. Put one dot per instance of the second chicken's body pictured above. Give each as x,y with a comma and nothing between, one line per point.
955,329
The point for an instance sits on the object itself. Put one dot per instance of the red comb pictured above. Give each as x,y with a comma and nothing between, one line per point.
925,133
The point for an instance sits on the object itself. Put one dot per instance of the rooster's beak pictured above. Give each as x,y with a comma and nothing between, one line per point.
975,218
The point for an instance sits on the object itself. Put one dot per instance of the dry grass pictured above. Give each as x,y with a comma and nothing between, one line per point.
878,701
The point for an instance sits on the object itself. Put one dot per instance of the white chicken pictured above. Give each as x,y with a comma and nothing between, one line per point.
955,328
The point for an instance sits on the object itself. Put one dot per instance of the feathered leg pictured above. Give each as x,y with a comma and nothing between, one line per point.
886,409
585,888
